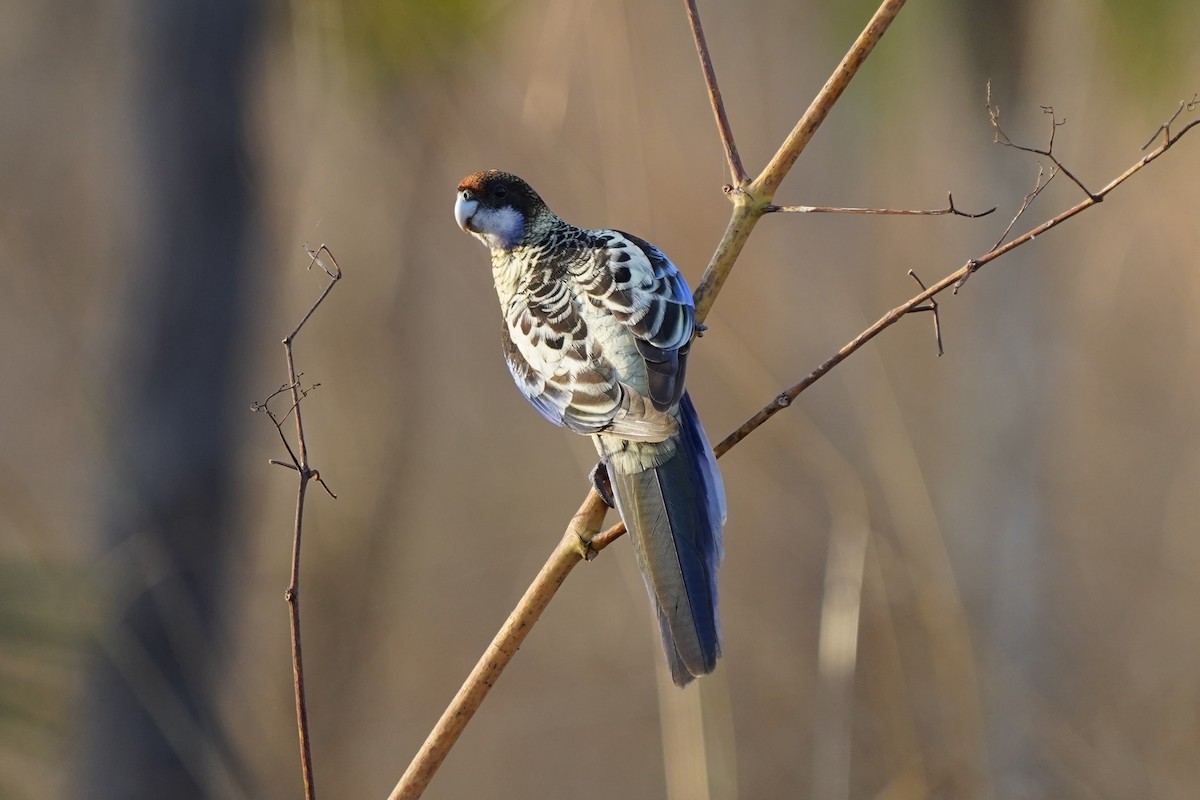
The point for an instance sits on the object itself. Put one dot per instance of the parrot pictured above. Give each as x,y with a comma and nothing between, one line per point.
597,327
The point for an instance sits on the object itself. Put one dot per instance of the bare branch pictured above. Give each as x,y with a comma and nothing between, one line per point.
909,212
736,171
785,398
299,462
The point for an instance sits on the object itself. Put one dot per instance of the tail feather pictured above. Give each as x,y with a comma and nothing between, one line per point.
675,513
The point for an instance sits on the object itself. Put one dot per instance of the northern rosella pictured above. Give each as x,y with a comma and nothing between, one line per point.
597,327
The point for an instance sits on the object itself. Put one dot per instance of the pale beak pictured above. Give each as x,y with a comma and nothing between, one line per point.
465,207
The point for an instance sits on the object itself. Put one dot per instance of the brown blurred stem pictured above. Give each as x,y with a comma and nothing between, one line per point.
323,258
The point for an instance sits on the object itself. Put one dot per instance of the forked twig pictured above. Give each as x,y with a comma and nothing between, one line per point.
932,305
1048,151
1165,128
323,258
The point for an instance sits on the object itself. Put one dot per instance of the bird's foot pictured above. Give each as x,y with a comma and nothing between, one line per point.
602,484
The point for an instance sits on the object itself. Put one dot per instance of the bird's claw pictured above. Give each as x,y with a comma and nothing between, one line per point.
602,484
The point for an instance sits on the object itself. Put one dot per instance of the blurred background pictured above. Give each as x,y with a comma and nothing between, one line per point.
961,577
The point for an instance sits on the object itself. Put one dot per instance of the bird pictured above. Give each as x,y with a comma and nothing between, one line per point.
597,327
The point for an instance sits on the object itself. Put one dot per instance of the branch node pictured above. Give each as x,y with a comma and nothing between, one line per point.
1165,129
783,401
585,549
972,267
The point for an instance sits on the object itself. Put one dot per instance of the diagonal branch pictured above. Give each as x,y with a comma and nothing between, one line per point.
570,551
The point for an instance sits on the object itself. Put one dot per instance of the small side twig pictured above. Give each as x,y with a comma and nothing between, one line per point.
1165,128
908,212
932,305
298,462
1038,186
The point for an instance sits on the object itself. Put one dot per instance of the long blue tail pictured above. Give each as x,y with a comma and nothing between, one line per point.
675,513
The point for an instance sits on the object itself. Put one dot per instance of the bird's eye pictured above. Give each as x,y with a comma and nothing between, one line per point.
499,192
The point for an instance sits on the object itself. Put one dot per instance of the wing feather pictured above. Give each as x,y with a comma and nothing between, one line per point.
564,375
646,293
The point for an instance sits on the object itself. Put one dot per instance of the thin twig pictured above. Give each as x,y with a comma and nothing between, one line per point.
933,306
908,212
1048,151
1165,128
1038,186
736,171
305,473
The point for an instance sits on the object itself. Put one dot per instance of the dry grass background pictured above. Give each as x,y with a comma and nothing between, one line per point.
1027,504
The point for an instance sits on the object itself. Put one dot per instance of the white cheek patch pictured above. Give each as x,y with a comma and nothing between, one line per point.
499,228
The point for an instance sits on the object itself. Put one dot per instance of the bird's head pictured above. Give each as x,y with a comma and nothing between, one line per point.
499,208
